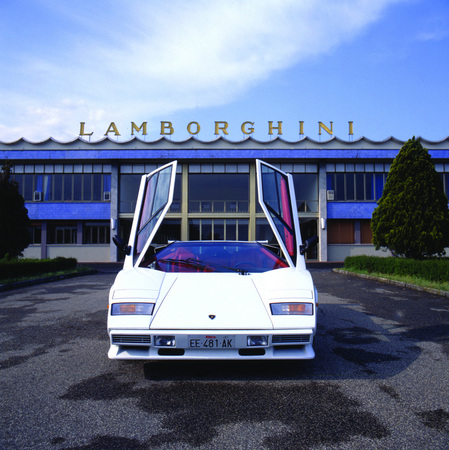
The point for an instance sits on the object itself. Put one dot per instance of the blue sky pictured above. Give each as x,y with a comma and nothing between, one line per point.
381,64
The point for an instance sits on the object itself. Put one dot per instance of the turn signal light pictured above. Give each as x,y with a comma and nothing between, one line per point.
132,309
305,309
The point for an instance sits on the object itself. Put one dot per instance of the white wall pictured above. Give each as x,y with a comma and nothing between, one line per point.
339,252
83,253
32,252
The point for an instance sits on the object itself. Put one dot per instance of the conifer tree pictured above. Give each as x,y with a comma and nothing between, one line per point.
14,220
412,216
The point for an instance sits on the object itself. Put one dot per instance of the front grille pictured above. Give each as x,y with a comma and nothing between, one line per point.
290,338
171,352
251,351
131,339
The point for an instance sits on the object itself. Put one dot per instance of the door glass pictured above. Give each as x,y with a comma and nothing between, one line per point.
276,197
157,190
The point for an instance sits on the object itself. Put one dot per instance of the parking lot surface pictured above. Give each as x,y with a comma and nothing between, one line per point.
380,379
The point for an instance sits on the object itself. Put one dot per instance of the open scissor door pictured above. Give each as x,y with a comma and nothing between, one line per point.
278,201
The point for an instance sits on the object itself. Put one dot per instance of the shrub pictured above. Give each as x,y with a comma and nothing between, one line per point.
18,268
431,269
14,220
412,217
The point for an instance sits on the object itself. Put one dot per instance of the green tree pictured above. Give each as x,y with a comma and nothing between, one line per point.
412,216
14,220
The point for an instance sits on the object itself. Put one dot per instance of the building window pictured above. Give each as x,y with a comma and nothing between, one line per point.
445,181
361,182
25,183
67,187
218,229
264,232
340,231
61,233
129,189
348,231
170,230
349,186
86,187
308,227
366,234
35,234
218,193
177,195
306,190
96,233
305,180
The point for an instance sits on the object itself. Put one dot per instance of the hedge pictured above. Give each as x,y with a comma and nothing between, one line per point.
430,269
18,268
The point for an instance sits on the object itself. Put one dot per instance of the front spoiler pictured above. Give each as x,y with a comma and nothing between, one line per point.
147,351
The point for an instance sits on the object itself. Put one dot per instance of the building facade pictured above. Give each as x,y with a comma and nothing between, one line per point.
80,193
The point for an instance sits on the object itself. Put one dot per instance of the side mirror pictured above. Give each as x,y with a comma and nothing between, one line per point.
308,244
120,243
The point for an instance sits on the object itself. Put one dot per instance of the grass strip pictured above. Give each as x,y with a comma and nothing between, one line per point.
78,270
408,279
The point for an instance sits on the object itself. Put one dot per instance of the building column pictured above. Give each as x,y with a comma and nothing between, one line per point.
185,202
357,232
113,255
322,220
44,239
79,232
252,202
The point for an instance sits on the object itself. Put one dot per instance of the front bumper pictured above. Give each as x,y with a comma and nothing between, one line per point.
140,345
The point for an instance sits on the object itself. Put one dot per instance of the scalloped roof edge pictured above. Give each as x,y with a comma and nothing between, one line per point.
221,138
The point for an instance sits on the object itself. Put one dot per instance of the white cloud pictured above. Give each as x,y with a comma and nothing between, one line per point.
155,58
435,28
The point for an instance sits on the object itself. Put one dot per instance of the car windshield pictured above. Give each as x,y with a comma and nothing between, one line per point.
213,256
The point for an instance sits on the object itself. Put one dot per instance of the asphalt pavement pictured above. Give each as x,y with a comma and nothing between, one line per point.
380,378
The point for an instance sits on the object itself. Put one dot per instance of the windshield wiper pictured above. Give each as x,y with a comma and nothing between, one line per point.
231,269
201,264
183,262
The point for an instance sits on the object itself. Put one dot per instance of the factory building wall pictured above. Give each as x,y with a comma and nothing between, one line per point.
80,194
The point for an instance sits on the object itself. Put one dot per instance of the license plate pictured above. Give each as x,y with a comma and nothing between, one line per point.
211,341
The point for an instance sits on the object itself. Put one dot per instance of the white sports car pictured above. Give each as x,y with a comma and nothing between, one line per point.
213,299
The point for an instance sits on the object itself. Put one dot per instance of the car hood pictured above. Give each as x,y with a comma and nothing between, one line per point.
207,300
202,301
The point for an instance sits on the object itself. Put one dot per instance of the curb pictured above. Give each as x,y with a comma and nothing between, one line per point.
26,283
395,283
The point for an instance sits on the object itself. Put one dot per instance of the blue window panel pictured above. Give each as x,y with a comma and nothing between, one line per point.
350,191
77,186
330,181
68,178
28,188
58,187
379,185
369,186
350,210
87,187
340,186
360,186
97,194
107,182
69,211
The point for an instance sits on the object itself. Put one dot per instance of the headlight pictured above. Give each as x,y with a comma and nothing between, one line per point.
165,341
127,309
303,309
257,341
